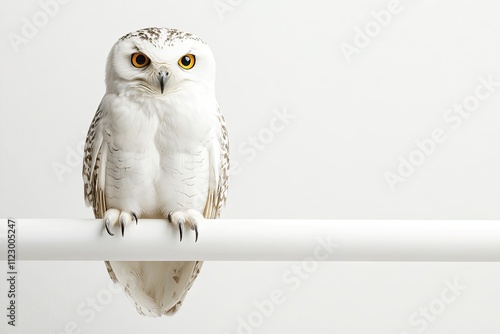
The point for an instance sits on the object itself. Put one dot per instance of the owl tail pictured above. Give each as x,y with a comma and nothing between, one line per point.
156,288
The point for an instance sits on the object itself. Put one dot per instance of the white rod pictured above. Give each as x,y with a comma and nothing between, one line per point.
260,240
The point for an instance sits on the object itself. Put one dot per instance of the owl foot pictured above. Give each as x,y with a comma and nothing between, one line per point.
187,217
115,216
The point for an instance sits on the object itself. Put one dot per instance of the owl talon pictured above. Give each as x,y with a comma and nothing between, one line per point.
122,225
185,218
135,218
180,230
114,217
106,225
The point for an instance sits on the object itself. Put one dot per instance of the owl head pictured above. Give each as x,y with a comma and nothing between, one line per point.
159,61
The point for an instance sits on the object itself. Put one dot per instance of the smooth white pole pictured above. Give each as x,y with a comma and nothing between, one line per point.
259,240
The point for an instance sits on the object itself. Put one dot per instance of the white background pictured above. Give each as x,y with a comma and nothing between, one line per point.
352,122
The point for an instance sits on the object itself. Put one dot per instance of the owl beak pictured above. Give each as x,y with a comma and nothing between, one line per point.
162,77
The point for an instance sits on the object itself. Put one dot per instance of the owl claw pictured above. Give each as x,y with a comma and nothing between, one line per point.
180,230
135,218
106,225
187,217
122,225
113,217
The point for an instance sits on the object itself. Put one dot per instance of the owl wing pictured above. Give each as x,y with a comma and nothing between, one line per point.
220,173
94,165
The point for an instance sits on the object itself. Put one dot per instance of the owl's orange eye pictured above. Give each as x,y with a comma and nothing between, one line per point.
187,61
139,60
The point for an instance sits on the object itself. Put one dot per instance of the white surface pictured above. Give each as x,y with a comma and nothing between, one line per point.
261,240
352,122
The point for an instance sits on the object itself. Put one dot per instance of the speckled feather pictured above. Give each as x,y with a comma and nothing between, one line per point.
160,37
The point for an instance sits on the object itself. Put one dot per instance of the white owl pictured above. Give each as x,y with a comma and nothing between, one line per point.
157,148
